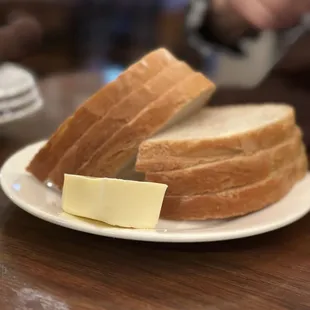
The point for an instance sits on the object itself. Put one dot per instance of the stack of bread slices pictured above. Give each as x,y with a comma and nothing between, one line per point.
226,161
217,162
102,137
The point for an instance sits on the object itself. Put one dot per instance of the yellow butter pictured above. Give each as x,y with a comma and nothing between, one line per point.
116,202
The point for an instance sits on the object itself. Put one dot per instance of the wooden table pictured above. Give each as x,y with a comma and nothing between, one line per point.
43,266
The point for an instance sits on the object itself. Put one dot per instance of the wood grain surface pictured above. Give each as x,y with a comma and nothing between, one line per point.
46,267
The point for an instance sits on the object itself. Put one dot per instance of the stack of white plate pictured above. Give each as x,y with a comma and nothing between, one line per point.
19,95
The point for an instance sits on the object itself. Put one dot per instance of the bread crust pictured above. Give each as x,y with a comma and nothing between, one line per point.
118,116
156,156
95,108
115,154
231,173
236,202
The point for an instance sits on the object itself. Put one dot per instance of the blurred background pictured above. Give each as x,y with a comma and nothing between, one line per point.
107,35
87,43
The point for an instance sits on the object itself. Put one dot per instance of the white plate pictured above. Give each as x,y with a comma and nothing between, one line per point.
14,80
18,102
44,203
13,116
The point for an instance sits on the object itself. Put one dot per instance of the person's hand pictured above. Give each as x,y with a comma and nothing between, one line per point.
270,14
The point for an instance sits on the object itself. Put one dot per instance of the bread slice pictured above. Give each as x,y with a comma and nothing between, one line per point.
118,116
217,133
230,173
95,108
184,99
239,201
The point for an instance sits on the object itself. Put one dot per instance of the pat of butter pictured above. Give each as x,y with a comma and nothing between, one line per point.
116,202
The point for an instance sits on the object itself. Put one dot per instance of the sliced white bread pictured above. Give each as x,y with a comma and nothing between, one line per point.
95,108
215,134
182,100
118,116
230,173
239,201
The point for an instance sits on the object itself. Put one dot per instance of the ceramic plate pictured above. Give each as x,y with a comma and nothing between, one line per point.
19,102
45,204
29,110
14,80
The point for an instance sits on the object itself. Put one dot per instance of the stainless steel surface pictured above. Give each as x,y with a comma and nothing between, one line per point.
286,42
272,50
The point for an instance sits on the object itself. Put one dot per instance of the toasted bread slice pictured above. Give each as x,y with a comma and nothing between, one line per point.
118,116
238,201
217,133
182,100
230,173
94,109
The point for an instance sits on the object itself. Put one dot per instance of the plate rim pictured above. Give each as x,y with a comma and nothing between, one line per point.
24,113
138,234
